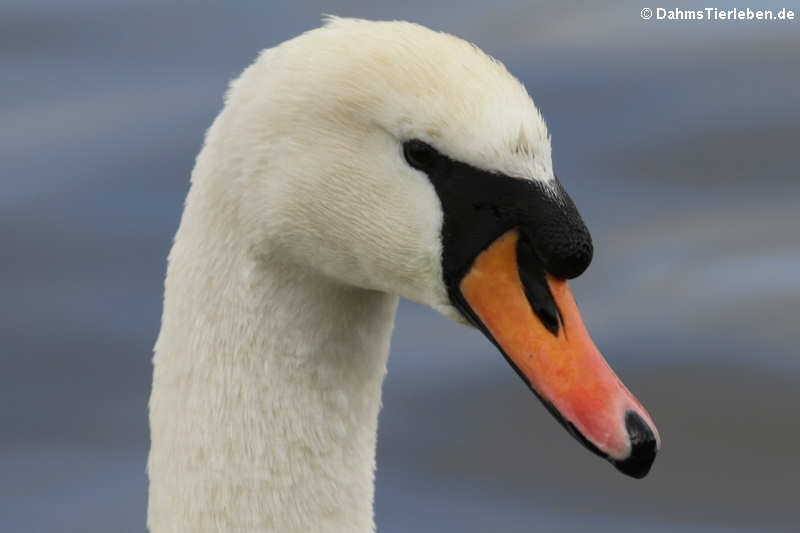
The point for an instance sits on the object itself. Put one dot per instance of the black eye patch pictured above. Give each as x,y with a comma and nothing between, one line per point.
479,206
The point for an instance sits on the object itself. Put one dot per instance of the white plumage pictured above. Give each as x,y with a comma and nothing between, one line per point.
302,227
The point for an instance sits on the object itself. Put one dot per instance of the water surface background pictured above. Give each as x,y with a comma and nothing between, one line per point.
677,141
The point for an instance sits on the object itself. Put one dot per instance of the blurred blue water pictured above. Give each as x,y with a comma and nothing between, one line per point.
677,141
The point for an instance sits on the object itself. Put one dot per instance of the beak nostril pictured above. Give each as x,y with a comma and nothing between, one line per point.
643,447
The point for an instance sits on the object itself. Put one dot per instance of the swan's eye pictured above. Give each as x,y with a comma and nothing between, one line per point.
420,155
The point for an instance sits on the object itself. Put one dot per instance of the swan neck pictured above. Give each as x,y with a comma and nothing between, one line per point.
266,391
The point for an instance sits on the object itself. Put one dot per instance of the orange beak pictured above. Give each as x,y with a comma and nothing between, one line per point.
564,368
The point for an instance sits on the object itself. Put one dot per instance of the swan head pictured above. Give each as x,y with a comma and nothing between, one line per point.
389,157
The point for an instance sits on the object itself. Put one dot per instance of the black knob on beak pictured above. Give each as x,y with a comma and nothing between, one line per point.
560,237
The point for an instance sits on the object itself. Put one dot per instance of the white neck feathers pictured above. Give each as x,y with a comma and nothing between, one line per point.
266,392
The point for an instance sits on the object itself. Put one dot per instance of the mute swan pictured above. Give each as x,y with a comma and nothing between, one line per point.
356,163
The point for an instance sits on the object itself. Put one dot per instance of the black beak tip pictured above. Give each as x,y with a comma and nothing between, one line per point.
643,447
